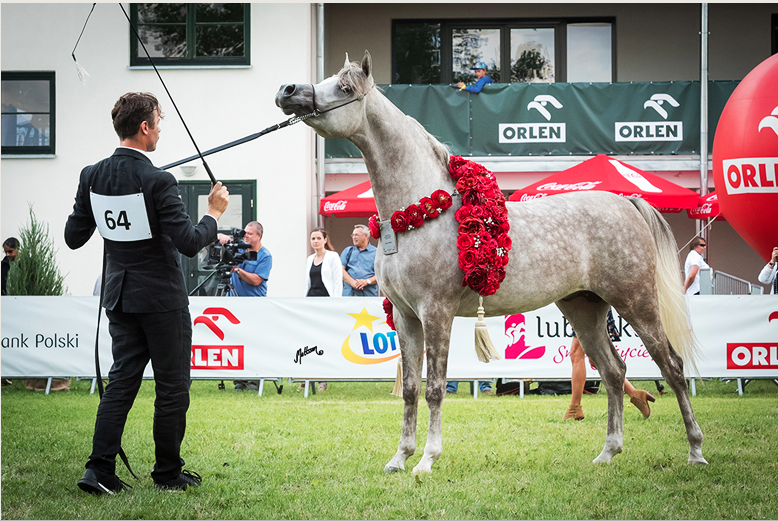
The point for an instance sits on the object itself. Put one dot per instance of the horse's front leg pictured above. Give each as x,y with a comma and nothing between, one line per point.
411,338
437,334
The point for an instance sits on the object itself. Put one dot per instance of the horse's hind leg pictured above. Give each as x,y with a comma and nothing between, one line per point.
437,334
411,338
588,316
670,363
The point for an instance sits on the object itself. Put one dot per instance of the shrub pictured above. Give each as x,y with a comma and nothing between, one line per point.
35,270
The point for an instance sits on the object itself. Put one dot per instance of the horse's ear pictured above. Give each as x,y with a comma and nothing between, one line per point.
345,64
367,64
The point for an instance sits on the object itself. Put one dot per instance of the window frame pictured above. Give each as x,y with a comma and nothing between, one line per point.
138,56
447,25
50,149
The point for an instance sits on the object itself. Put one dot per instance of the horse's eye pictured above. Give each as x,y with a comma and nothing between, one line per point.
346,89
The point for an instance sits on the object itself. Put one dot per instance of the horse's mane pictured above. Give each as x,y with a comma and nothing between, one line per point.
442,151
352,78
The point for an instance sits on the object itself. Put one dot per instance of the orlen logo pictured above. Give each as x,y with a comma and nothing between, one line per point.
365,346
756,355
535,132
217,356
752,175
517,346
652,130
335,206
770,121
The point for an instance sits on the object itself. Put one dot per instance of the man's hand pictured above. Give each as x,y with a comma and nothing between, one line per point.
218,200
775,255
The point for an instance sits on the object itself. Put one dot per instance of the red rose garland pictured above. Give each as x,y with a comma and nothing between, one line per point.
483,240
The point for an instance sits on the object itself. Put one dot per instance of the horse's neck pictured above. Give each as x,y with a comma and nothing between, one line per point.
402,163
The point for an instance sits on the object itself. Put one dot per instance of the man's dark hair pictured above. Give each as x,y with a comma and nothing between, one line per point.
696,242
131,110
11,242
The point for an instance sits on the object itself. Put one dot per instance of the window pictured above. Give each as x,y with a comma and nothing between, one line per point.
27,113
191,34
443,51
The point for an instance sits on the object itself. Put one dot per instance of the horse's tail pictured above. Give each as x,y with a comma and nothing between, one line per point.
673,310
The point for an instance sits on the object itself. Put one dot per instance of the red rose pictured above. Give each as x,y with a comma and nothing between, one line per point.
465,241
467,259
428,207
455,165
415,216
462,213
375,228
471,197
484,257
504,241
388,309
471,225
466,183
475,279
441,199
399,221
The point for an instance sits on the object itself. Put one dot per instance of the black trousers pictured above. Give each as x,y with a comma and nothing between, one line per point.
165,339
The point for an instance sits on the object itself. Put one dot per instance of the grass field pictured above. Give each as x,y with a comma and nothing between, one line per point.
287,457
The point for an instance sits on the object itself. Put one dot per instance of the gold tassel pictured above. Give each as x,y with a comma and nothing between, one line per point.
483,344
397,390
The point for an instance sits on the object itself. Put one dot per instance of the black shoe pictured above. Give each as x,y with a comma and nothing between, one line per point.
98,483
182,482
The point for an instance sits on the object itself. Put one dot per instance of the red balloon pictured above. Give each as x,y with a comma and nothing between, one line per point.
745,158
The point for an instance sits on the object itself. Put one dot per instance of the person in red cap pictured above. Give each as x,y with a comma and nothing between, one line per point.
483,79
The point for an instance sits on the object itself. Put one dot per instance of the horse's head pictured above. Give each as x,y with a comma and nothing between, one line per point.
338,100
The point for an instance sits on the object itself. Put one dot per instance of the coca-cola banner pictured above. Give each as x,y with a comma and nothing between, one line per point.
348,339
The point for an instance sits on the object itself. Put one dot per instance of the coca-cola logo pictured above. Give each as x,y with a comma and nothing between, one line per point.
335,206
583,185
526,197
705,209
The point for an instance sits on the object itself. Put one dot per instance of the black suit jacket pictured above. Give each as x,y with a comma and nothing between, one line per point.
144,276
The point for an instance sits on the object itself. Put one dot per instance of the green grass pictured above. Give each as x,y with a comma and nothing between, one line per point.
287,457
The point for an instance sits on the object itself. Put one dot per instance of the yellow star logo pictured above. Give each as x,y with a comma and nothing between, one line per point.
364,319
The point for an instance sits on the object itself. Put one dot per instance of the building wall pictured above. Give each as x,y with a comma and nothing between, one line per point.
219,105
654,42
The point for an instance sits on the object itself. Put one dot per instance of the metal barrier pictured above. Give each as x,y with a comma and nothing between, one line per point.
725,284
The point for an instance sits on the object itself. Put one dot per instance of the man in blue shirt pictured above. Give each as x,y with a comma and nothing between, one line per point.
250,277
480,74
358,261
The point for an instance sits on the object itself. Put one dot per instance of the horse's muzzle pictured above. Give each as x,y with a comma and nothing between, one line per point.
295,99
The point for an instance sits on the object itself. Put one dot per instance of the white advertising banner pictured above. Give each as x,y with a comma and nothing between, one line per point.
347,338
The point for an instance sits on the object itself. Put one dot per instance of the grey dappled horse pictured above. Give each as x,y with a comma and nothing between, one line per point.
583,251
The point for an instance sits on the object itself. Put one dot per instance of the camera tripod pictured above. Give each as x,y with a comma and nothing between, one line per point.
224,288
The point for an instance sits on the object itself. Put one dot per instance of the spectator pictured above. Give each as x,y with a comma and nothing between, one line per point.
145,296
482,79
484,386
769,274
324,273
10,246
694,263
250,279
358,265
638,397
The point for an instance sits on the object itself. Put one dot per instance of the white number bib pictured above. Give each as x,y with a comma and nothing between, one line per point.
121,218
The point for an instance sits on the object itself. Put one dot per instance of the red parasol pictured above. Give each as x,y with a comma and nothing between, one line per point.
611,175
356,201
708,208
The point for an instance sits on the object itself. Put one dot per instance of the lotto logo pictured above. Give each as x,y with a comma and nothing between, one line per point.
763,355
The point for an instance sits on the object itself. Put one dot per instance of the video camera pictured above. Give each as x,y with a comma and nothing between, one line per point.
224,257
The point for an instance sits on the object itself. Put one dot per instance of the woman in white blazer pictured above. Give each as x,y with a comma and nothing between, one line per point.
323,272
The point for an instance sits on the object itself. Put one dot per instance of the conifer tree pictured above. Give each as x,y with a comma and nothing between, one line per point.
35,270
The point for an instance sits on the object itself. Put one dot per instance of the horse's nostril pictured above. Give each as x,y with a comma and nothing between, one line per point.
289,90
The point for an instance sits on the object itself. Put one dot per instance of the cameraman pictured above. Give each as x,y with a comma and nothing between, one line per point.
250,278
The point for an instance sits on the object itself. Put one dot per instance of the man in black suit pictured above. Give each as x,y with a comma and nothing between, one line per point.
137,210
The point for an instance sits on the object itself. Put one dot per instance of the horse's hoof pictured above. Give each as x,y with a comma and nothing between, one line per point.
420,472
391,470
697,461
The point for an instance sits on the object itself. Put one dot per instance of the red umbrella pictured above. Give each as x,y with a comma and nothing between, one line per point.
356,201
611,175
708,208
